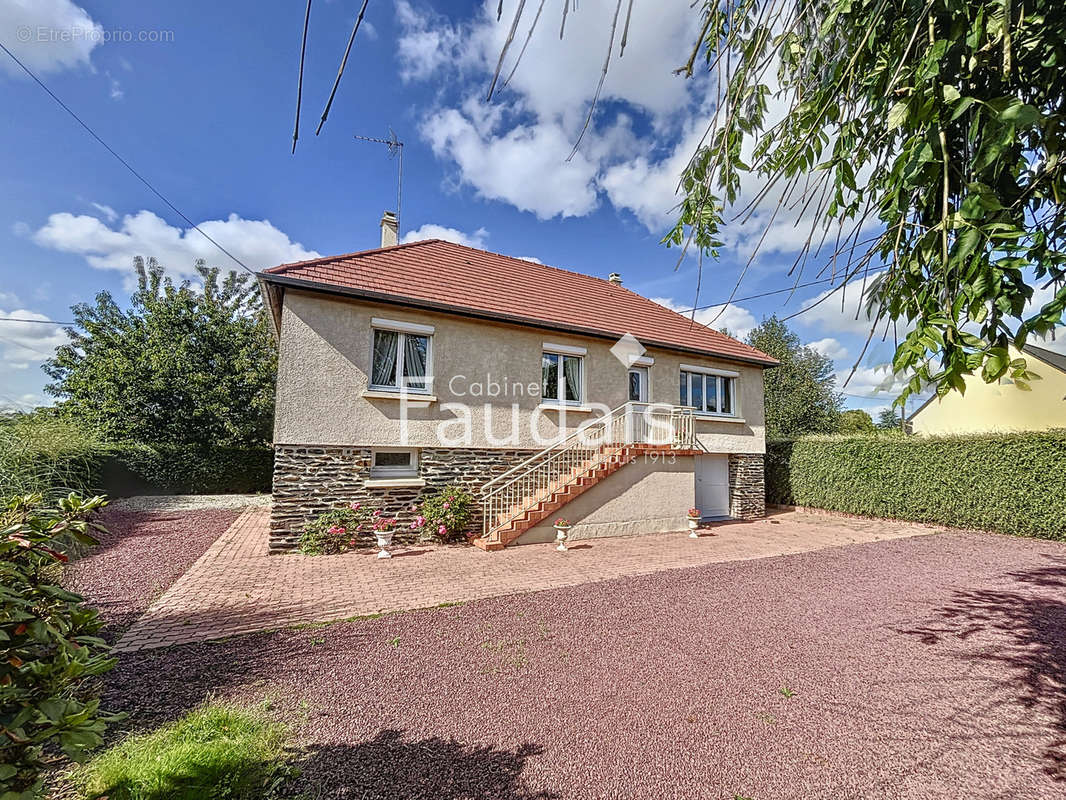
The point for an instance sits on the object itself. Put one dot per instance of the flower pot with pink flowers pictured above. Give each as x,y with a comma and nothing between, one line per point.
562,533
384,530
693,522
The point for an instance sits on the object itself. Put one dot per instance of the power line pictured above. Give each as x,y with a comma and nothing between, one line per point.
123,161
766,294
40,321
340,70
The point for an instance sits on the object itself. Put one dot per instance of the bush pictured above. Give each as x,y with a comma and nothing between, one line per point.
212,752
1011,483
333,531
447,513
47,455
186,470
50,653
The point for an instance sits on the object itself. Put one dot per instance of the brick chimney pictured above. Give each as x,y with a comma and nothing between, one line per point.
389,230
615,278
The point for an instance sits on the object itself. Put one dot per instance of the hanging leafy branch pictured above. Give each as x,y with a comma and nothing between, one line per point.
922,138
922,143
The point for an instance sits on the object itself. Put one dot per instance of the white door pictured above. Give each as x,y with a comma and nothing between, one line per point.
712,486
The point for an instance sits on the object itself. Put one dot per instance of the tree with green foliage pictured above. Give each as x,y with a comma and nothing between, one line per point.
922,141
801,394
888,419
855,420
183,366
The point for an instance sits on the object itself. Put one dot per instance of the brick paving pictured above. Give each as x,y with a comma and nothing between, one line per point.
236,587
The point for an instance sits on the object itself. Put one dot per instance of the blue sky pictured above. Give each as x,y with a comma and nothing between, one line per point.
204,107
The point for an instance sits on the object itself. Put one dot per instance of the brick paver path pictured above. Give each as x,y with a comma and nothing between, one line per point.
236,587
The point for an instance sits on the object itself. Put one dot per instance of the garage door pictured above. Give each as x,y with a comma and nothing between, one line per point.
712,486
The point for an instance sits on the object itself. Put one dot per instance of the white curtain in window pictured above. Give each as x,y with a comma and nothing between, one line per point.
572,373
549,377
384,369
415,352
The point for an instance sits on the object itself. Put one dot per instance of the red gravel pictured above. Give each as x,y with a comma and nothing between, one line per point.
139,558
926,667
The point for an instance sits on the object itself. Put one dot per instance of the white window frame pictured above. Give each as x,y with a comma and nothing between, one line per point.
391,471
402,328
561,351
722,378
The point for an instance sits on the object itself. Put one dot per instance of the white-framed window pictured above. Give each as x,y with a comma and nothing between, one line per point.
709,392
562,376
394,462
401,356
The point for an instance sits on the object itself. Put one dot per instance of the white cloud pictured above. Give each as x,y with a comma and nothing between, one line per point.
8,298
735,319
109,213
255,242
432,231
48,35
23,402
842,311
116,88
514,150
23,343
524,165
874,380
830,348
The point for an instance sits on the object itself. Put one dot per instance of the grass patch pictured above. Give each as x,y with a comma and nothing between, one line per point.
212,752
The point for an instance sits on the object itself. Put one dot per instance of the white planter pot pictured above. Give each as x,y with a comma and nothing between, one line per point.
384,539
693,523
561,534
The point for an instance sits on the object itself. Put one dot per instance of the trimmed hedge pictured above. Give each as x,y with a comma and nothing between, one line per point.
1010,483
184,470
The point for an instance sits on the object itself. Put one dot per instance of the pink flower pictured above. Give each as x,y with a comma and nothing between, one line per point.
351,542
355,506
442,530
447,505
414,526
377,513
414,509
420,521
337,530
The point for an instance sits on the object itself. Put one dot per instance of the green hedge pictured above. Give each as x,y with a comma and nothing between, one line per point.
1011,483
184,470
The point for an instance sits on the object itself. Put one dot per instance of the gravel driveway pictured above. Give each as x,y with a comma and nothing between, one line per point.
926,667
139,557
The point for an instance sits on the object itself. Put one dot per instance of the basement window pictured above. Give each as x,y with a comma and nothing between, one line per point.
394,463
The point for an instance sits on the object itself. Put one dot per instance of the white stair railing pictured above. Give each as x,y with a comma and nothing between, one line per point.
596,442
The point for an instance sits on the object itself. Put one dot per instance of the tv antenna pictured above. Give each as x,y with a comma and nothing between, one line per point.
395,147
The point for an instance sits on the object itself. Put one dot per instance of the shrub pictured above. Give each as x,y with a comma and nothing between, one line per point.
1011,483
212,752
333,531
50,653
447,513
48,455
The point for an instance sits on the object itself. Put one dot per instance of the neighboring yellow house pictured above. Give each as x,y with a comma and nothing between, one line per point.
1001,406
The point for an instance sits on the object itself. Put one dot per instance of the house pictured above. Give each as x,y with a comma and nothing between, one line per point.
1001,406
546,392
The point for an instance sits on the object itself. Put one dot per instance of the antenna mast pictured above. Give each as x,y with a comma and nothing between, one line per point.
395,147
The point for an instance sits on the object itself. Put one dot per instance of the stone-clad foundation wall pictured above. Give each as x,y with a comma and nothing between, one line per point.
309,480
747,486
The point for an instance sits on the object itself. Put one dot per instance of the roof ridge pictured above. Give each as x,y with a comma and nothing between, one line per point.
308,262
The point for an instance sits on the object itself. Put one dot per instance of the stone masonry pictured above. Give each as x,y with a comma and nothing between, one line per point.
311,479
747,486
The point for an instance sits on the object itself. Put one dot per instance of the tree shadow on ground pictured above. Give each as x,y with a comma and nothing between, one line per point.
1028,639
434,768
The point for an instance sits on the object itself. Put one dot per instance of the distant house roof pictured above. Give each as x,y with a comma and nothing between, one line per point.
1057,360
452,278
1049,357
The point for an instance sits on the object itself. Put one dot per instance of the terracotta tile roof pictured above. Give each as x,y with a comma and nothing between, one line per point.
451,277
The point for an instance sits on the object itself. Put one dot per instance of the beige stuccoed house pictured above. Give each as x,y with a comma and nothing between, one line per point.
545,392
